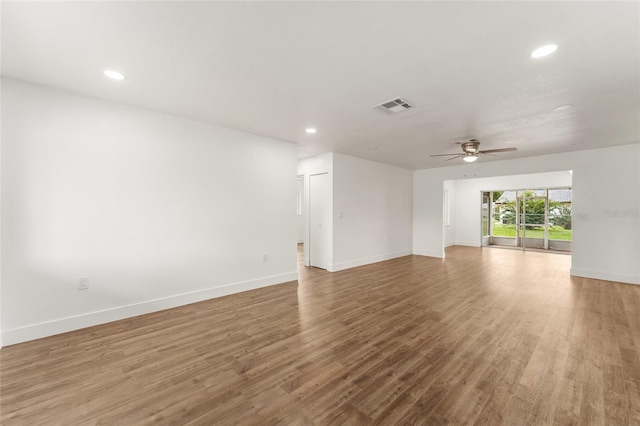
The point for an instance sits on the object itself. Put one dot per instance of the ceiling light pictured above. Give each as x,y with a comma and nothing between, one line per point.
563,107
310,130
114,74
470,158
544,51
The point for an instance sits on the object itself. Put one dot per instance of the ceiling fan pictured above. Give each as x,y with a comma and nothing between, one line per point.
470,151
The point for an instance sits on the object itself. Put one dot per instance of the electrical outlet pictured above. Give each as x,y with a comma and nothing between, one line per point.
265,257
83,283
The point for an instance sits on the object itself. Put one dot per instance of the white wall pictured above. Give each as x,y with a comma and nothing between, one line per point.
372,205
606,202
300,218
372,212
157,210
307,167
468,198
1,341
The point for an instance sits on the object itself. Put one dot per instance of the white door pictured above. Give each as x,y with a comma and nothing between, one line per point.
319,220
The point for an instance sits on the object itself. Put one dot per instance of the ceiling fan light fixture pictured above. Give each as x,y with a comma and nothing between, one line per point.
470,146
471,151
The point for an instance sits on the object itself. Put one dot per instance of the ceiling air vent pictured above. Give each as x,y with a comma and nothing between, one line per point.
394,105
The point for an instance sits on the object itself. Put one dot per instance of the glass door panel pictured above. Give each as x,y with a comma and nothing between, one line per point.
486,216
533,229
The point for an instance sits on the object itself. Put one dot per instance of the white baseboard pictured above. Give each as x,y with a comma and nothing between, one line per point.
63,325
467,243
367,260
607,276
429,253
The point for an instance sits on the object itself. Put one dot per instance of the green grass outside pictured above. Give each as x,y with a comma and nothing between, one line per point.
555,232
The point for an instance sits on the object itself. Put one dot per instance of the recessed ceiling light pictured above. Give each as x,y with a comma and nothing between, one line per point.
563,107
114,74
544,51
310,130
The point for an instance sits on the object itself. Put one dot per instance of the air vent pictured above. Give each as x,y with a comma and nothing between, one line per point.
394,105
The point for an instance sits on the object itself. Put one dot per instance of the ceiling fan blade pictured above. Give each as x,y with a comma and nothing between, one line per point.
442,155
497,150
485,153
457,156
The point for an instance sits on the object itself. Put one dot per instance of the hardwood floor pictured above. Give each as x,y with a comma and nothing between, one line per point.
485,337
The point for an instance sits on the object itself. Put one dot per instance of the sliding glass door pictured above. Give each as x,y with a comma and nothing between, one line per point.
530,218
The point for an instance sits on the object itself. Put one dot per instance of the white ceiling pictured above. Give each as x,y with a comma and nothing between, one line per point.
275,68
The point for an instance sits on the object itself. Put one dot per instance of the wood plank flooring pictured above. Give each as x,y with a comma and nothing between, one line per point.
484,337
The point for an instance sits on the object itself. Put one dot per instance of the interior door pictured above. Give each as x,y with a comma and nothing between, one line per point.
319,220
